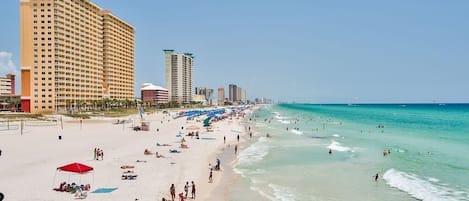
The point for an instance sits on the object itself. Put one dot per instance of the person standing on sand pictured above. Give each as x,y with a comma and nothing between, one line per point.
238,137
193,190
236,149
172,191
186,188
224,139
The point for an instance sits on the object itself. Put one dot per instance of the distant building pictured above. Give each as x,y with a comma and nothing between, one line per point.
7,85
244,98
179,68
8,99
232,92
206,92
221,96
199,99
154,94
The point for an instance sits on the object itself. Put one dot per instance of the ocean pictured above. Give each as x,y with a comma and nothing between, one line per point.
428,159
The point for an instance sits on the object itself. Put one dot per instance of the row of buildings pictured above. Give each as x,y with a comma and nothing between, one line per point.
179,85
74,53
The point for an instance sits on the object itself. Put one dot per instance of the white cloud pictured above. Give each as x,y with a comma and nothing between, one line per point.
6,63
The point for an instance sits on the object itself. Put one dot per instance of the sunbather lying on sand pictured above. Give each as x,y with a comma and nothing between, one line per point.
127,166
159,155
141,161
147,152
129,177
174,151
184,146
158,144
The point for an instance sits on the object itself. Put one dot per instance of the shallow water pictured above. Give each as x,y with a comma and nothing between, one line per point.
428,161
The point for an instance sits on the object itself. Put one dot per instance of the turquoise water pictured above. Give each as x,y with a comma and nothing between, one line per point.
429,145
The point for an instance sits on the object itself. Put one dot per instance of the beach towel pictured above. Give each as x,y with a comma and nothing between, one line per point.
208,138
104,190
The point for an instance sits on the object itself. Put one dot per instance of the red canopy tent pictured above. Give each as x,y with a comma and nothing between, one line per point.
76,167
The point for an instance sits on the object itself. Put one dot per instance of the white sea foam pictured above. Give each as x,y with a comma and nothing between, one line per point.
283,121
253,153
420,188
282,193
337,147
262,193
296,132
433,179
336,135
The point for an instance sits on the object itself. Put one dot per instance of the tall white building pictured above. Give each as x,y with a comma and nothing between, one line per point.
179,68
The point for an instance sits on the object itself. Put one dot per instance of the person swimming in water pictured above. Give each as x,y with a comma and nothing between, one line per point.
330,151
376,177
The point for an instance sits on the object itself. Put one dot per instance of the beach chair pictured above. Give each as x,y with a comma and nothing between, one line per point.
81,195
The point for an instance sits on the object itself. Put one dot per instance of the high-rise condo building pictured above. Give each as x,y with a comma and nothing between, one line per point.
179,68
73,53
221,96
232,89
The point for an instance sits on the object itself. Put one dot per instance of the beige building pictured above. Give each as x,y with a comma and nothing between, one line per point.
179,68
72,54
7,85
221,96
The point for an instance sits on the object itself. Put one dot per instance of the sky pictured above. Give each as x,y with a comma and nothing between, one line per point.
362,51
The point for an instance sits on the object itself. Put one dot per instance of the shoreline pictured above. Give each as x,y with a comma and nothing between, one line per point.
228,176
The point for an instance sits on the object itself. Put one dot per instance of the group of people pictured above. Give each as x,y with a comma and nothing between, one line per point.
386,152
128,174
183,195
72,188
98,154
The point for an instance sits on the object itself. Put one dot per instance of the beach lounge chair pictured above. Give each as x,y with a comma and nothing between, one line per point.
80,195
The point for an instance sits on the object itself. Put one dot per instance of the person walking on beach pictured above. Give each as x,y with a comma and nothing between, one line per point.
376,177
172,191
238,137
250,134
224,139
186,188
193,190
236,149
210,177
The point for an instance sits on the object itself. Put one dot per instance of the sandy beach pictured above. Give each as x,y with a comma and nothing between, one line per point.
29,161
